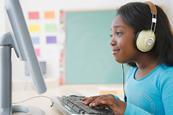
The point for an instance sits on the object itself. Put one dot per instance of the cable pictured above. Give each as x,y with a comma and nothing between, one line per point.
125,97
18,102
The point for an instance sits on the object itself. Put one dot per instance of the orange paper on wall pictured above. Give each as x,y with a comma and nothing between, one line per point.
49,15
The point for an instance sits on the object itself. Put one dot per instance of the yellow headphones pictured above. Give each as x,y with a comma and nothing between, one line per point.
146,38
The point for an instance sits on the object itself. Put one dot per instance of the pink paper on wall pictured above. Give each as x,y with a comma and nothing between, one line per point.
37,52
34,15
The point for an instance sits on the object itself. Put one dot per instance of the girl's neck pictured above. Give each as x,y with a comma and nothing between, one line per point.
145,66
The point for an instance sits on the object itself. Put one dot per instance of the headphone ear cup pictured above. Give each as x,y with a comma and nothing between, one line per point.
145,40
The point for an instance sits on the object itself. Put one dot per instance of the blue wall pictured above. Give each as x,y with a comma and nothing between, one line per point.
88,53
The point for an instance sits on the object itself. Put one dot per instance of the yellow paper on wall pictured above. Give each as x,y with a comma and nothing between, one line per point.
34,28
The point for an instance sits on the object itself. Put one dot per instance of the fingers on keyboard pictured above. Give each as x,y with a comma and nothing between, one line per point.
88,100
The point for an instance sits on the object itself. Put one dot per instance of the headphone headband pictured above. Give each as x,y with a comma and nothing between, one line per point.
152,7
153,11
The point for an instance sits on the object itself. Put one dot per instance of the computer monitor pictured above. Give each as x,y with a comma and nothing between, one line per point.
20,40
23,43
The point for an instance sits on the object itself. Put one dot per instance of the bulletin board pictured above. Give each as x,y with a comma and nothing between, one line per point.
88,54
47,35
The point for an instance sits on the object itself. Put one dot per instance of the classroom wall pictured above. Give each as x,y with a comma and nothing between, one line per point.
167,6
67,5
2,20
52,54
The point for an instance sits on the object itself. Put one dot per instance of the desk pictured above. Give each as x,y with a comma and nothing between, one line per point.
55,90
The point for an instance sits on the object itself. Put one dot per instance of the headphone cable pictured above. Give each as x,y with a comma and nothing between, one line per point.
125,97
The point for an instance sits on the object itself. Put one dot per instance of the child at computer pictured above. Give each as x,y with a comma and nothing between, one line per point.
142,38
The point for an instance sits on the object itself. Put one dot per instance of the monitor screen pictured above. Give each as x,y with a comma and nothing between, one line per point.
22,42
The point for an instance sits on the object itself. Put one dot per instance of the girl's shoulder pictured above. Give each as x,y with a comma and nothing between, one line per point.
165,73
165,69
164,80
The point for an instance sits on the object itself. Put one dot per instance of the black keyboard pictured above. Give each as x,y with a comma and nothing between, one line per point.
72,105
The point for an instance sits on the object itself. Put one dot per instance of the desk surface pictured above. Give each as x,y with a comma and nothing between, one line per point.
44,103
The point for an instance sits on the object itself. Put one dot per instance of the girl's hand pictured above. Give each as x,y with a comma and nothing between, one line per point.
115,104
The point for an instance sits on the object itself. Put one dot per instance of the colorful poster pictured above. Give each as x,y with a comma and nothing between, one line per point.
47,34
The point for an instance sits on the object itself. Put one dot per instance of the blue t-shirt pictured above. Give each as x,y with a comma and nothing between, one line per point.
152,94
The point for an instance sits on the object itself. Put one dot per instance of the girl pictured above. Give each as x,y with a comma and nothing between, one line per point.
142,38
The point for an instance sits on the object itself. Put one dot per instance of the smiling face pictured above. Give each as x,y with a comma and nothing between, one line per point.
122,42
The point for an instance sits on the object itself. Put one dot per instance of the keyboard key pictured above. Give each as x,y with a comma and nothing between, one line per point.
77,109
70,104
87,109
82,112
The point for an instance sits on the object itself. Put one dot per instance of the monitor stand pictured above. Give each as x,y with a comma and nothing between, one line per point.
6,43
29,110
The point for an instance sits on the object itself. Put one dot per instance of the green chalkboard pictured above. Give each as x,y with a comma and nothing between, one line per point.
88,53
